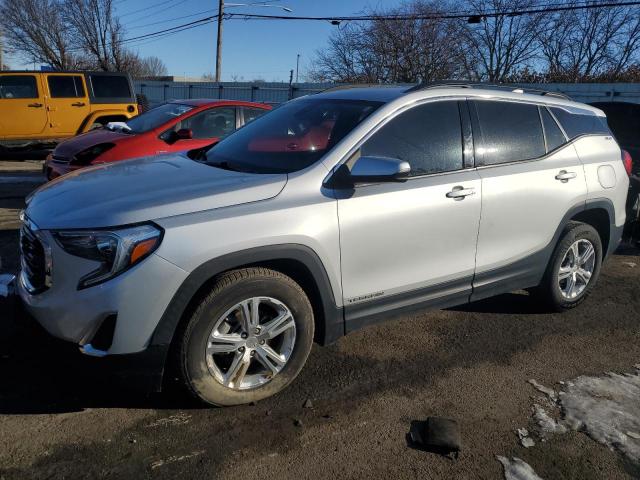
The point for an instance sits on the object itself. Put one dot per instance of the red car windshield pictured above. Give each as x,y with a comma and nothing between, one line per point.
157,116
291,137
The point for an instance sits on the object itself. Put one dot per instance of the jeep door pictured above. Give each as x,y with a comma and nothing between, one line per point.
412,242
67,102
531,178
22,112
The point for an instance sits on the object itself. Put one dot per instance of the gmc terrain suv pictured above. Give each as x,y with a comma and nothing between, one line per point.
323,216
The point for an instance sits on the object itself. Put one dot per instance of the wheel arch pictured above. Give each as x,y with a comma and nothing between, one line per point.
299,262
600,214
103,116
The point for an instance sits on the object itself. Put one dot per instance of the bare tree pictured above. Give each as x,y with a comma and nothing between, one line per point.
97,31
498,46
153,67
36,28
590,43
392,50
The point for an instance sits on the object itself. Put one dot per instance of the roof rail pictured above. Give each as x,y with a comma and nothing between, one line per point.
517,88
358,85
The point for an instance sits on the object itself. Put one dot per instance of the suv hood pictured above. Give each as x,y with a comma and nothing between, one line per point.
144,189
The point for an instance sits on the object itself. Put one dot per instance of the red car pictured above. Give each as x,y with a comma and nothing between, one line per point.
172,127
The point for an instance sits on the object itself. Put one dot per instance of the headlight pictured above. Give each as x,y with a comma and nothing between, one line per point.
116,250
88,155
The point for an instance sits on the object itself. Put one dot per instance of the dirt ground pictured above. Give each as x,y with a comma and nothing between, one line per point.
61,418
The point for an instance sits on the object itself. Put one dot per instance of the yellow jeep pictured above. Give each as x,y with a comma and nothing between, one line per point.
42,108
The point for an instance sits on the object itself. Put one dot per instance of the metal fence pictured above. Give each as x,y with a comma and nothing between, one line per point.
272,92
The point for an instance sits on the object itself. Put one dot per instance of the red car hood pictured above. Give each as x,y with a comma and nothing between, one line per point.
68,148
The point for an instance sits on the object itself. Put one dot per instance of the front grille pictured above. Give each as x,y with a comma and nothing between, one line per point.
33,261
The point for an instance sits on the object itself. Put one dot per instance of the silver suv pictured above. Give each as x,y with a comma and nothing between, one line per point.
327,214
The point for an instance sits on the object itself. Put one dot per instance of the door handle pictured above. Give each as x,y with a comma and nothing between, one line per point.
34,105
78,104
459,192
565,176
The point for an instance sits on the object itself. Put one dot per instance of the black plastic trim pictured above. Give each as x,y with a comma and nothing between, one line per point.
330,330
438,296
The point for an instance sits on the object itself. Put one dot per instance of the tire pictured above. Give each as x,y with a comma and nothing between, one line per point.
143,102
205,375
553,289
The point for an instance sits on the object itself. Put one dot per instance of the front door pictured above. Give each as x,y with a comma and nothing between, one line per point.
22,109
412,242
68,103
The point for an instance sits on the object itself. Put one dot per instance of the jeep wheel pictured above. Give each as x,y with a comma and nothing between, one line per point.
574,267
248,339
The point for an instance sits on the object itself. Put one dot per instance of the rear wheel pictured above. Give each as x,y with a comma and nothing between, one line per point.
248,339
574,267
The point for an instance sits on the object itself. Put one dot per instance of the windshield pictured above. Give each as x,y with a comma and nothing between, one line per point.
156,117
291,137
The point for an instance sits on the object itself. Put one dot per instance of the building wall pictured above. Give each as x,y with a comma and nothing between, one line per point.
161,91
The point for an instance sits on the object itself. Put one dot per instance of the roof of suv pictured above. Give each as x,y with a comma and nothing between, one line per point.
389,93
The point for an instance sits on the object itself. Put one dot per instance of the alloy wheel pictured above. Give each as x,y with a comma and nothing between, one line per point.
576,269
250,343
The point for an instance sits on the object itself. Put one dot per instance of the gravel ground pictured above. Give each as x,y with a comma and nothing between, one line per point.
61,418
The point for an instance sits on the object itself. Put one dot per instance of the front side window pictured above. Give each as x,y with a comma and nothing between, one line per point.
428,136
18,86
212,123
291,137
110,86
510,132
65,86
156,117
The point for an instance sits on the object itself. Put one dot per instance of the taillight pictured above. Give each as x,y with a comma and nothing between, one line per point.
627,161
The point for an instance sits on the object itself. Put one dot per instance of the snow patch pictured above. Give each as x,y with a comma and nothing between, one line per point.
545,422
525,439
516,469
549,392
608,409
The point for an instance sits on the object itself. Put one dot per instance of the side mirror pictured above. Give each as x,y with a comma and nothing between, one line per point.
379,169
184,134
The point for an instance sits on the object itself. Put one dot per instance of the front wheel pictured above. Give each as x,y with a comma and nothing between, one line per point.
574,267
248,339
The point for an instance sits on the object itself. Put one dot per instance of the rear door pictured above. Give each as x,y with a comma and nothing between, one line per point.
531,179
67,102
22,109
413,242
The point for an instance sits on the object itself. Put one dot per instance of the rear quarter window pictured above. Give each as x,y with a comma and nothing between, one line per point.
110,86
576,124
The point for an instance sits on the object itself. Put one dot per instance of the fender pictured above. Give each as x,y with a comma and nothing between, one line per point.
103,113
330,327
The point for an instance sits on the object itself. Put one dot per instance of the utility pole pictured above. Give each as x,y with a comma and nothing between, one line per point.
297,66
1,51
219,42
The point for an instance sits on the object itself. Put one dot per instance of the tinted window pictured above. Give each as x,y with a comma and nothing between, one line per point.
110,86
291,137
510,132
215,122
429,137
576,124
156,117
552,132
251,114
65,86
18,86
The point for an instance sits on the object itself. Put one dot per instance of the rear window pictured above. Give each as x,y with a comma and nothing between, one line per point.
510,132
554,136
251,114
18,86
65,86
110,86
576,124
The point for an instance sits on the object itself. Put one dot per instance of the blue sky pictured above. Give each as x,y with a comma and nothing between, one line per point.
251,49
